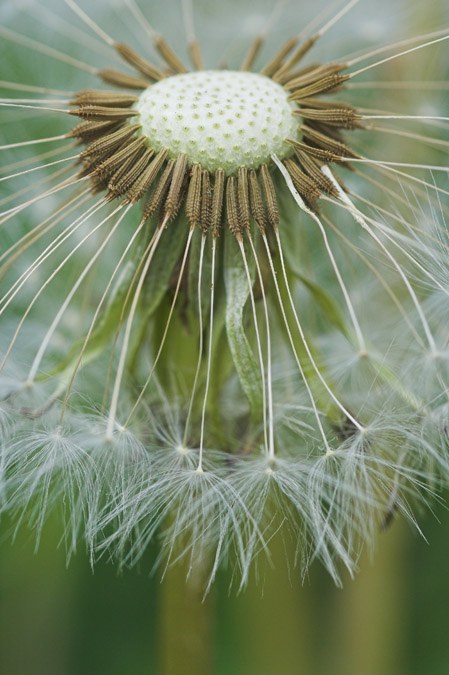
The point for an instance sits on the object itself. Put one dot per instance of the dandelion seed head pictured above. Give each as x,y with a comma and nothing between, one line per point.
215,332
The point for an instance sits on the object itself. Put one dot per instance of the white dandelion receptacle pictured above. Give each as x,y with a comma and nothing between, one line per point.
218,119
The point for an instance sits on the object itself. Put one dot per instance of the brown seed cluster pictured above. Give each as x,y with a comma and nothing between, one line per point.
120,161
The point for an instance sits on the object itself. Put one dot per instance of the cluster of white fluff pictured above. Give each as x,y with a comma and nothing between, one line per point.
120,494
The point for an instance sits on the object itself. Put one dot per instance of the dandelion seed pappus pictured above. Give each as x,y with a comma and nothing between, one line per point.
223,281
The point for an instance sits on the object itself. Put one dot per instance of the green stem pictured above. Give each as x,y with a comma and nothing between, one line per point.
268,627
321,396
373,614
187,625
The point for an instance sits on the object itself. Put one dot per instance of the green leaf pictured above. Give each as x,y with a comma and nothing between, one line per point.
294,242
237,293
332,311
169,251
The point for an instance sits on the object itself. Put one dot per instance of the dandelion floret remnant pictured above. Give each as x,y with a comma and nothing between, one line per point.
219,119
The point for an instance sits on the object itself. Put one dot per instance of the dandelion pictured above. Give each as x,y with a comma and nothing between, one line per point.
223,303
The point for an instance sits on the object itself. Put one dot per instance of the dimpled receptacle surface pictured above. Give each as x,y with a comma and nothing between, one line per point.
219,119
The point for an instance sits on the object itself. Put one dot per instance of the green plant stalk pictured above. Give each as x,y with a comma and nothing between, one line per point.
187,637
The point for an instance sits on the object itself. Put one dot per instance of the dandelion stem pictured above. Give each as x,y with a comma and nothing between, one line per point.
394,45
268,446
68,182
48,280
428,140
396,56
167,325
141,18
18,86
383,163
124,350
42,228
192,42
200,342
97,313
39,168
48,251
380,278
360,218
384,169
307,347
416,118
43,101
48,17
269,383
61,137
292,304
388,235
46,341
209,355
344,290
186,645
258,42
335,19
292,343
428,85
89,22
44,49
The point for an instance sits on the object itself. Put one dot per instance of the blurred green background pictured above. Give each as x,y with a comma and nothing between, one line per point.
393,619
